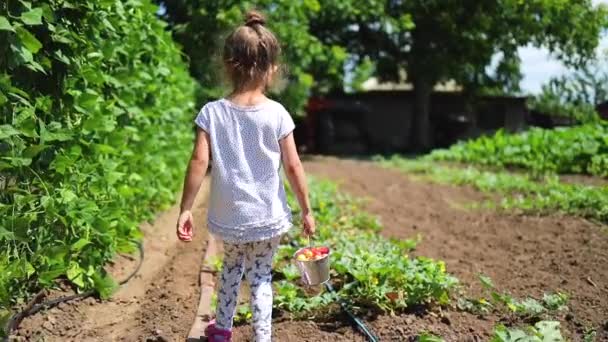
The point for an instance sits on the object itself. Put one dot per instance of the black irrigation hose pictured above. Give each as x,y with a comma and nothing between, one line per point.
358,323
15,320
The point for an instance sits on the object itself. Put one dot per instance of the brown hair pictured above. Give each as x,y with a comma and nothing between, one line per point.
250,52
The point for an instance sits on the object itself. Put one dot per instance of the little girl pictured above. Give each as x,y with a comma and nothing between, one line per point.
248,137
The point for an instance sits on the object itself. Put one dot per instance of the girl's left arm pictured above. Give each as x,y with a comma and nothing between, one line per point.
197,167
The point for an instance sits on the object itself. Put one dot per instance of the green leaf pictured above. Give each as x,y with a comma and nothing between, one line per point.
22,53
87,101
78,245
531,307
429,338
47,277
75,274
6,235
19,162
34,150
486,281
35,66
502,334
550,331
61,135
5,25
29,269
67,195
48,13
61,57
7,131
104,285
32,17
28,40
26,4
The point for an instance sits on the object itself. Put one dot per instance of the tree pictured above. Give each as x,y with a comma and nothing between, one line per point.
200,26
431,41
577,94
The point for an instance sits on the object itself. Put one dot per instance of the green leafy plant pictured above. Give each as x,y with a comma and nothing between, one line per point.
368,269
527,307
543,331
580,149
590,335
95,114
243,314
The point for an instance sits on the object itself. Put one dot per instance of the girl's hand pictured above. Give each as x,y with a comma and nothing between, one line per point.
185,226
308,222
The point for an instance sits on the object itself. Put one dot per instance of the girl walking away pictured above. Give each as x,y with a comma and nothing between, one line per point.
247,136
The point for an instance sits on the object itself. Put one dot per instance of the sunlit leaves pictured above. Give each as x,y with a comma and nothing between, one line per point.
28,40
88,127
32,17
5,25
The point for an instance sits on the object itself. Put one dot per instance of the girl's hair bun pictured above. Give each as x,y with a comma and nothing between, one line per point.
253,18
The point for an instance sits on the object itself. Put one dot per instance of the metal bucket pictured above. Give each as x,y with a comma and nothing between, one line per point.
313,272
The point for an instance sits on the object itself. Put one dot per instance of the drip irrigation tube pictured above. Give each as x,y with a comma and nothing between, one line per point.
357,322
33,307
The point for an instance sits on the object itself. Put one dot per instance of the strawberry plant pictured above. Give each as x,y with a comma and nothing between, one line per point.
367,268
95,114
525,308
543,331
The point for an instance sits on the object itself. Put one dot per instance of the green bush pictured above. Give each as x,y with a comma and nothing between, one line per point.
95,127
580,149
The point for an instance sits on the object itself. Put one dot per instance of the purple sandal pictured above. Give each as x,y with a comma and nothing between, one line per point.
214,334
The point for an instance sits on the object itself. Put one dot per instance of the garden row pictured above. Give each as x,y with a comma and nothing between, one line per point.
95,121
368,270
520,191
540,155
375,273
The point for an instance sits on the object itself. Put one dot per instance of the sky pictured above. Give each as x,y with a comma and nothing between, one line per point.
538,66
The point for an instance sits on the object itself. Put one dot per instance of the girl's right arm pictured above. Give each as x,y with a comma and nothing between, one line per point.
297,179
194,177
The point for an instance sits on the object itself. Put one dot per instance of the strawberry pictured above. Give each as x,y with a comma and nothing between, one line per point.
323,250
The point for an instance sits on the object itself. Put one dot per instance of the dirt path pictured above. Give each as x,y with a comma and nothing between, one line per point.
524,255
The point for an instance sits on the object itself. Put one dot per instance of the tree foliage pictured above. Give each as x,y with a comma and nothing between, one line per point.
95,114
576,94
435,41
200,27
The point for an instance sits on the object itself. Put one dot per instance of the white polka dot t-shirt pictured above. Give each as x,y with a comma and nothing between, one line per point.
247,200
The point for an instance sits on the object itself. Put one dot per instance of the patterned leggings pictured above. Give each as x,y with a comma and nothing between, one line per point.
255,260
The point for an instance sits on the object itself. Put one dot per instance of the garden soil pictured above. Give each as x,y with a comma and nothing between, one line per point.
524,255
